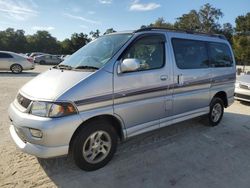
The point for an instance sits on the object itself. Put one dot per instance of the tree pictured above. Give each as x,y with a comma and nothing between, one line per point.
95,34
110,30
12,40
78,41
67,47
241,40
42,41
243,23
190,21
204,20
241,46
209,17
160,22
228,31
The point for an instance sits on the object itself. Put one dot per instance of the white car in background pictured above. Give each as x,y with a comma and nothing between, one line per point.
242,88
15,62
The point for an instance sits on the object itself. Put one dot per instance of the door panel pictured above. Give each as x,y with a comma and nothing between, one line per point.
192,75
6,61
140,96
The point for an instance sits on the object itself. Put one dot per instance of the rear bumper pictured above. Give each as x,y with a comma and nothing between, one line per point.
29,67
37,150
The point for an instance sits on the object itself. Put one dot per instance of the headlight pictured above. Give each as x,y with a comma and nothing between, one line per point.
61,109
40,108
49,109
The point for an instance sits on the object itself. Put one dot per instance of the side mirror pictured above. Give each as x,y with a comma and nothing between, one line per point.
129,65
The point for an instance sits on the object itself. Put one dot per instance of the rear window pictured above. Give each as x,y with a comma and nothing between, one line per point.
220,55
190,54
5,55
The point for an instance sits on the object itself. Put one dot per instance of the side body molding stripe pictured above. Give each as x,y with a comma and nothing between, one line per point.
215,81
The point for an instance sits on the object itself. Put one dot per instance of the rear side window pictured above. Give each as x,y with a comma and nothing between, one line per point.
220,55
190,54
5,55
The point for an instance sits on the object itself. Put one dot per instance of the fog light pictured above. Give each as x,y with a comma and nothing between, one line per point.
36,133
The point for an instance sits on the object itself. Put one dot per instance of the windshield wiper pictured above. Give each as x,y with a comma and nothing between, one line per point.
87,67
61,66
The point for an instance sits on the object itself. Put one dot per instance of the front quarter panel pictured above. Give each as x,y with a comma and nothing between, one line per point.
93,95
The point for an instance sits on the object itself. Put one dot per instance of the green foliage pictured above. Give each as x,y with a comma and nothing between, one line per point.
241,40
160,22
204,20
243,23
11,39
190,21
41,41
209,17
95,34
110,30
241,46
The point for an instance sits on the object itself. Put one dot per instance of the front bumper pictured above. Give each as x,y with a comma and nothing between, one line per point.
242,94
37,150
57,133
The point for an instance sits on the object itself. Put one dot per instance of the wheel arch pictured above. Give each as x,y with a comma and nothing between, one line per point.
223,96
115,122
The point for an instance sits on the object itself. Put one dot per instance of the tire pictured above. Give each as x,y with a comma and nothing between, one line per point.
216,112
16,68
42,62
94,145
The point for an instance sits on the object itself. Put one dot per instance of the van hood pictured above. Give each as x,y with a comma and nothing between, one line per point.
52,83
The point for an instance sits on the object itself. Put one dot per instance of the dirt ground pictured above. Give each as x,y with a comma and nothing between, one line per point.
187,154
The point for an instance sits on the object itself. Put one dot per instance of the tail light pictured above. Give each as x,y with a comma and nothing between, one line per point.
30,59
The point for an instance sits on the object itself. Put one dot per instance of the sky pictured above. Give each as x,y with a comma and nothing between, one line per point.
65,17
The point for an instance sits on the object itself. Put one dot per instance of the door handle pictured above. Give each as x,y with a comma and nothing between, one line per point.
164,77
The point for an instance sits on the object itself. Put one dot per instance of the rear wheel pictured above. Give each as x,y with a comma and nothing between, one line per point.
94,145
216,112
16,68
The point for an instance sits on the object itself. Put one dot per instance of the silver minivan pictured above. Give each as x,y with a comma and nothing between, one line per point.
121,85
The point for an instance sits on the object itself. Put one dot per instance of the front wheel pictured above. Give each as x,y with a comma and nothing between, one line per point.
216,112
94,145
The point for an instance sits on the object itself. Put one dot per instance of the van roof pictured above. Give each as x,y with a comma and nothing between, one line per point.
181,31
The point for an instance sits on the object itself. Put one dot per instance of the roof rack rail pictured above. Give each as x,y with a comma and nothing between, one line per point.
181,31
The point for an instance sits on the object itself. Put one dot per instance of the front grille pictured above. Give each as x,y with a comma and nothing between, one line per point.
242,96
23,101
244,87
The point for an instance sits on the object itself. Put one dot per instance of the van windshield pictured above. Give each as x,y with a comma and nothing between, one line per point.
96,53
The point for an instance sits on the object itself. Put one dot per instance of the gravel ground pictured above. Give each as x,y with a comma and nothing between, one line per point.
187,154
